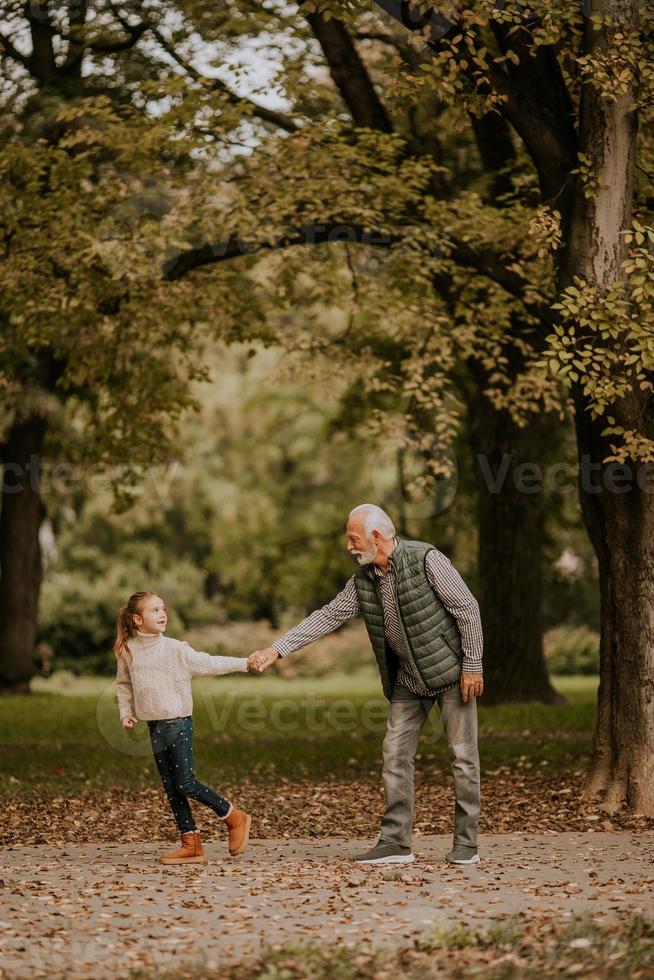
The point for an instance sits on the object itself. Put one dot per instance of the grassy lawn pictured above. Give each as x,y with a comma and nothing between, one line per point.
508,949
65,736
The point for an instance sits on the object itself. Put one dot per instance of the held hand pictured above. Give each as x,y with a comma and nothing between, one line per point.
260,659
129,721
472,685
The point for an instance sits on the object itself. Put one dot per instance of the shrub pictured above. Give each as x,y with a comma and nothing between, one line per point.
572,650
77,611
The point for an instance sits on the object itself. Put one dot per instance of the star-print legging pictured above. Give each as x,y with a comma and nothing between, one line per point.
172,745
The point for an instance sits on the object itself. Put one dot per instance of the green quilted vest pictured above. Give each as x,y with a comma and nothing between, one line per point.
432,634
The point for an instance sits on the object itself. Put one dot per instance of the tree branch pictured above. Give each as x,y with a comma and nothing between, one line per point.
349,73
483,261
414,19
496,150
77,18
490,264
109,47
545,135
233,246
79,45
542,137
539,71
41,62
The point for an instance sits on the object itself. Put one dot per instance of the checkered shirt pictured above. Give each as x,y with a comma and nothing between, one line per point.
448,586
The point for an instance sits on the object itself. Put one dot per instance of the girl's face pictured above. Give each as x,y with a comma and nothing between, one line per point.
153,616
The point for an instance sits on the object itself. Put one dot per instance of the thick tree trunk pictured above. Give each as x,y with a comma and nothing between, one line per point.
20,554
621,526
619,517
511,532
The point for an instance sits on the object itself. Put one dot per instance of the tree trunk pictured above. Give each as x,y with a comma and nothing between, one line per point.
511,524
621,527
20,553
619,518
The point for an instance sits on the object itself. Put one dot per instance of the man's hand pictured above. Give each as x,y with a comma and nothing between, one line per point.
129,721
472,685
261,659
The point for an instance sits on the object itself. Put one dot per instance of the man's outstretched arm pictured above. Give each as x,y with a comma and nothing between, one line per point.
321,622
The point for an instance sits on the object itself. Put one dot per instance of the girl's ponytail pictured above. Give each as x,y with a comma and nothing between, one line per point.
125,627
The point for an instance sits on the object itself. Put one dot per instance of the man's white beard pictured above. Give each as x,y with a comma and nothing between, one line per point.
365,557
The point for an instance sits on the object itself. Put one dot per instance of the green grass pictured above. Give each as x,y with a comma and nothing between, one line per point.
511,948
66,736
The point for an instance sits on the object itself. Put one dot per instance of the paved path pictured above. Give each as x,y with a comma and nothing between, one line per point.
101,910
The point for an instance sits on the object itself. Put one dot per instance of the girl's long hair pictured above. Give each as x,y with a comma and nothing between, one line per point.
125,627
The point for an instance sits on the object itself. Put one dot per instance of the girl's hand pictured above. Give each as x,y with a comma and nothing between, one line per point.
129,721
261,659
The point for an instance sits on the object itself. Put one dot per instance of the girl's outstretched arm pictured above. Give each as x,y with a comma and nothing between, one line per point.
205,663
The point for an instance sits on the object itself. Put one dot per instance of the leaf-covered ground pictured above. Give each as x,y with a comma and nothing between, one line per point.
559,890
533,803
300,909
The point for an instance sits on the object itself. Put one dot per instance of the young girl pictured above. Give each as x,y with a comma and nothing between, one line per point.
153,678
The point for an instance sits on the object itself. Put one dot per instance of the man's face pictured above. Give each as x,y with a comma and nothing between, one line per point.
361,547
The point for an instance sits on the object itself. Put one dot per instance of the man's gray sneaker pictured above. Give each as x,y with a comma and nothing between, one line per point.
383,853
462,855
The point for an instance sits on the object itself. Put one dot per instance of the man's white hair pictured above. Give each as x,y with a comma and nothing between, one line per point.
374,519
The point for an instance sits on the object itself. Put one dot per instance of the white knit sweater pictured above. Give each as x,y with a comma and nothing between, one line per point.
156,682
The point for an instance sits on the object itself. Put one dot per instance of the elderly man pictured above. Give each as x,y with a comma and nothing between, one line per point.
425,630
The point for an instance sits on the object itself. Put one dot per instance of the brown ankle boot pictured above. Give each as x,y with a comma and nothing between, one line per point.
238,823
191,851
